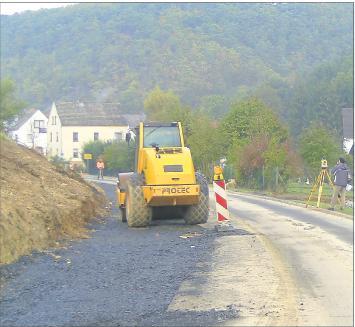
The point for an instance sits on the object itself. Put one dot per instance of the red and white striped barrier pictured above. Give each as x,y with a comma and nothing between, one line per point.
219,187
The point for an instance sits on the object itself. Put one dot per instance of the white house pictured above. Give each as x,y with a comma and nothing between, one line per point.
30,130
73,124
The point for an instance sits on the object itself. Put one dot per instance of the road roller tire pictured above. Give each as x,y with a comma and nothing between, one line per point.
138,213
198,213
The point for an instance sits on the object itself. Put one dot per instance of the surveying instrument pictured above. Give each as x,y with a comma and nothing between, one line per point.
320,182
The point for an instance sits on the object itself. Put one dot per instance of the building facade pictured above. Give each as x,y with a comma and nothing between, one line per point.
73,124
30,130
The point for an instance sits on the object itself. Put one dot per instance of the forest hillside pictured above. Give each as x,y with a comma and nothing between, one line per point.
295,57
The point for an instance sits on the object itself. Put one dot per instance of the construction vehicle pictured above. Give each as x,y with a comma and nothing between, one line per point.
164,180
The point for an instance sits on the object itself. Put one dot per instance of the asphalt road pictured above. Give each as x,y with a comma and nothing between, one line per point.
335,225
282,265
314,248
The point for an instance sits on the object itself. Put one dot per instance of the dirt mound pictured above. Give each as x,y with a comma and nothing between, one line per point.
40,203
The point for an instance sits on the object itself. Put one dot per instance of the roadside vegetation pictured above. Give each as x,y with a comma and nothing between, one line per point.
259,151
9,104
298,192
117,155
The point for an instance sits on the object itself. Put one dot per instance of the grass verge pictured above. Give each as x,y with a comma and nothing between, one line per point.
299,193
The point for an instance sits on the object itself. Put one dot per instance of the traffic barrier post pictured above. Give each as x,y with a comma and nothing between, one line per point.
222,212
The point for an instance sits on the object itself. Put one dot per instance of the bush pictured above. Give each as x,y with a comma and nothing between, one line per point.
318,142
117,156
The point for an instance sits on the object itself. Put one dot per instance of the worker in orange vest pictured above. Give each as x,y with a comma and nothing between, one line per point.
100,166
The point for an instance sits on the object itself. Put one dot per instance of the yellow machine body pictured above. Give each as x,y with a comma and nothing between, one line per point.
169,173
121,197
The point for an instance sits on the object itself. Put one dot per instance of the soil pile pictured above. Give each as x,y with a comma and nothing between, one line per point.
41,203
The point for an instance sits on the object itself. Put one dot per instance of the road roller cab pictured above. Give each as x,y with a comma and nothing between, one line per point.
164,177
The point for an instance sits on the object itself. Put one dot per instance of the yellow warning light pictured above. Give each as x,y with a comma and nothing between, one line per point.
218,170
218,173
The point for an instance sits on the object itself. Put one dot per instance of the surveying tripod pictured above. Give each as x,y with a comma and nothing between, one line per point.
320,182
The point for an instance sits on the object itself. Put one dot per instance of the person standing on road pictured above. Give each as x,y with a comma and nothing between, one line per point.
341,176
100,167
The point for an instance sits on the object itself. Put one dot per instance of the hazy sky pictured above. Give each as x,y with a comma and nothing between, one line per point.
11,8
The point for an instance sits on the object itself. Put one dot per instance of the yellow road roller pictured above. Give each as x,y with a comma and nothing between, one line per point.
165,182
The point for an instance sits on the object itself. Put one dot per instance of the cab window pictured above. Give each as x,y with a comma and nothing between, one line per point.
162,136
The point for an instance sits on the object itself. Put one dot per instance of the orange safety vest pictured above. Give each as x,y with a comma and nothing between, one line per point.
100,165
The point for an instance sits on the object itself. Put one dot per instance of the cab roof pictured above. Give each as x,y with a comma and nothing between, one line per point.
158,124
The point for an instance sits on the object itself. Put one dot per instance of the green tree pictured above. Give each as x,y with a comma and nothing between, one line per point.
96,148
320,95
9,105
119,157
165,106
257,144
249,118
259,161
206,144
215,106
132,99
197,50
317,142
200,132
161,105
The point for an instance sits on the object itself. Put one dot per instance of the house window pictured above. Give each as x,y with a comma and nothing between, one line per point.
51,136
54,120
38,123
57,137
118,136
75,153
75,137
96,136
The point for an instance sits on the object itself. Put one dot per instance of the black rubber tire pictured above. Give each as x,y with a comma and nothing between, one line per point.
138,213
123,215
198,213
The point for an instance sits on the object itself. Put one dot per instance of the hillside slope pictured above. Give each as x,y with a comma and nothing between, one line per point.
40,204
118,52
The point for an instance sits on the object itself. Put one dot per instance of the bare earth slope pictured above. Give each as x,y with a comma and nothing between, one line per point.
40,204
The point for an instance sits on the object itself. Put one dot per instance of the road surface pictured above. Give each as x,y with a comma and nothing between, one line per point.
283,265
314,250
